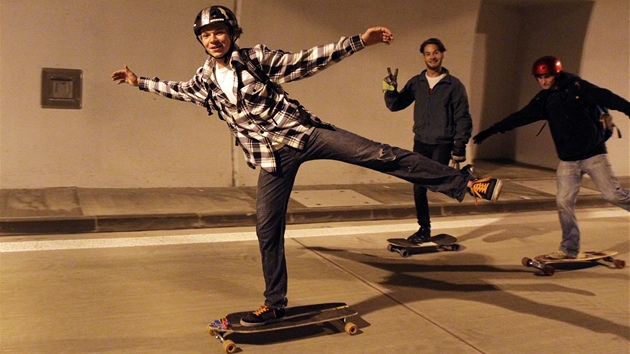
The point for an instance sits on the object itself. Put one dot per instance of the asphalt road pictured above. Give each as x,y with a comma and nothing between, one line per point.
154,292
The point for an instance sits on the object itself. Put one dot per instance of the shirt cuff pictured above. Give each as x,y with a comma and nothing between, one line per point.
356,43
142,83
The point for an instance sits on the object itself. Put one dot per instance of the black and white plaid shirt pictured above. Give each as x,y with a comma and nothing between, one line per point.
264,119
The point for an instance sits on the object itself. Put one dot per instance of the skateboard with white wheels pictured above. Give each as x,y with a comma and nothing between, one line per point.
294,317
546,264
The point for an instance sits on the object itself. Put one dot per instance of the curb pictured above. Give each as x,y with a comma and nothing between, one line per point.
152,222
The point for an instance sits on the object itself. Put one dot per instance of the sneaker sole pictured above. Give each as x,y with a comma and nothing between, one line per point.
248,324
497,190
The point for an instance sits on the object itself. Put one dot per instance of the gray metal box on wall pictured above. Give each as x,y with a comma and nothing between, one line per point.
62,88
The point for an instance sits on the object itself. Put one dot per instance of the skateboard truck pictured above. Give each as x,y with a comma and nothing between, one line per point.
546,269
228,345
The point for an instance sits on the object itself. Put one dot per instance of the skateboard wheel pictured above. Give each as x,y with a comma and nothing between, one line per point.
619,263
527,262
455,247
229,346
404,253
391,248
351,328
210,330
549,270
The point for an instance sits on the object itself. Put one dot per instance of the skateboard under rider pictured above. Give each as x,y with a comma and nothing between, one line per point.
294,317
405,248
546,264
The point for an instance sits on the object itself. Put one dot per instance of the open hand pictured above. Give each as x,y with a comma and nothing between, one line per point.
125,76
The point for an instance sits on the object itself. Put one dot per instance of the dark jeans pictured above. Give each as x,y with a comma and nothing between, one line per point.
274,190
440,153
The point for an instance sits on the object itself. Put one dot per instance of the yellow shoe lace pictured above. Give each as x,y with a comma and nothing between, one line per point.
480,186
261,310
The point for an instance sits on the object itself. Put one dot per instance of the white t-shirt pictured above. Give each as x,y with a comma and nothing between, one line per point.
434,80
225,79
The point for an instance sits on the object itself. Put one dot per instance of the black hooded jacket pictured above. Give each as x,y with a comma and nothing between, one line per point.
570,108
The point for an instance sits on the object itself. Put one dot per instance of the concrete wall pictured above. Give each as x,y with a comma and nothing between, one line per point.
125,138
591,39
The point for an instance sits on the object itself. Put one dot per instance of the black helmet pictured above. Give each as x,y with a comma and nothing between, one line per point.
547,65
214,14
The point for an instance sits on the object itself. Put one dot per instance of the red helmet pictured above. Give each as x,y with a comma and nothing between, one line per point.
547,65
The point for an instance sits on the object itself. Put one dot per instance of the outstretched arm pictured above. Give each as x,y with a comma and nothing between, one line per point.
125,76
532,112
282,67
603,97
194,90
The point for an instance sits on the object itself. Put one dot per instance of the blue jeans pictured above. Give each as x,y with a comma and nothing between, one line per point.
274,189
569,177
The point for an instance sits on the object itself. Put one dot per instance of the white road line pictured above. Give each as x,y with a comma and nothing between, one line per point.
93,243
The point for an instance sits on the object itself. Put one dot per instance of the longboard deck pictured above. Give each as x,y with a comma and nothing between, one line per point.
434,241
441,242
546,265
294,317
588,257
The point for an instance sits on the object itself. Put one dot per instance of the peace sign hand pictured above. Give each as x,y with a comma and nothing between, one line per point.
390,82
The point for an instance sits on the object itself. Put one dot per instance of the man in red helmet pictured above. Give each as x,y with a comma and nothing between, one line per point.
572,107
278,134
